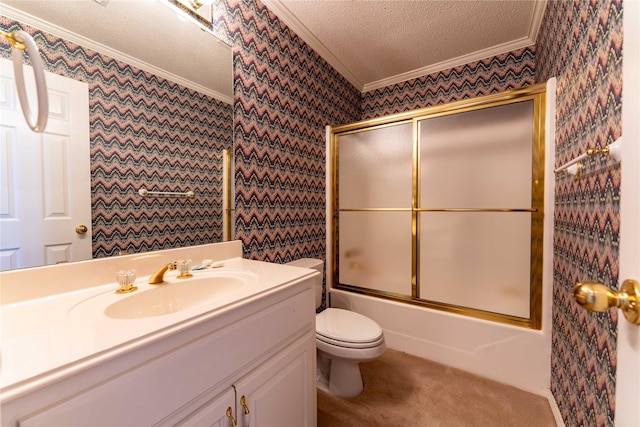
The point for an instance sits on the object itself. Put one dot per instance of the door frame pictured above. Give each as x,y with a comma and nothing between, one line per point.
628,346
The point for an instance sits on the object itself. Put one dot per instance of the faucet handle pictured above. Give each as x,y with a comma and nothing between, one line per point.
184,265
126,279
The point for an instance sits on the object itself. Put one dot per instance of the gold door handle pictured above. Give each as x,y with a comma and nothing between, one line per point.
81,229
597,297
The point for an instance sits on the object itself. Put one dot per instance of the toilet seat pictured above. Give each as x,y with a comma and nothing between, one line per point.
344,328
348,344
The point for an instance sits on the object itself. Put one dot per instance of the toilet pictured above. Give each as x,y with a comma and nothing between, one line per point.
343,340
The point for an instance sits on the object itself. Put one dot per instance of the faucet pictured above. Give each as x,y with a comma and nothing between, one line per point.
158,277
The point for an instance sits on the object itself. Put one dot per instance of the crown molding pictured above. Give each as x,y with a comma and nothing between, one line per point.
284,14
450,63
63,33
303,32
536,20
530,40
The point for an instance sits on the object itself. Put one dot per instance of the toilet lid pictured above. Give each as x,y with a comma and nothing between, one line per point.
347,326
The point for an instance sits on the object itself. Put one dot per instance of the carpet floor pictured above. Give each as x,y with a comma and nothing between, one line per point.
404,390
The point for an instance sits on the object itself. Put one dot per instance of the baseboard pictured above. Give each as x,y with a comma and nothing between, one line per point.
554,408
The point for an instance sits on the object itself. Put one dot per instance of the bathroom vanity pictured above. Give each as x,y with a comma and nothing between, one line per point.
245,355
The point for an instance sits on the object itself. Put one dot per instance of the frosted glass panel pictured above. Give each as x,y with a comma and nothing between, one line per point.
477,260
477,159
375,250
375,168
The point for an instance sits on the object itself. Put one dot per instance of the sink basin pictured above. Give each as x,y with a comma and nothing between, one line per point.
174,296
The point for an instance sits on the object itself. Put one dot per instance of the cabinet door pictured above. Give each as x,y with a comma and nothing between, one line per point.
282,391
218,412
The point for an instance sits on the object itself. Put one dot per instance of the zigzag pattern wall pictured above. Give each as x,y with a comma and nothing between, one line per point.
511,70
148,132
581,43
284,96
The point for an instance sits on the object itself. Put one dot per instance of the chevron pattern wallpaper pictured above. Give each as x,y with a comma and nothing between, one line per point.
284,96
145,132
580,42
492,75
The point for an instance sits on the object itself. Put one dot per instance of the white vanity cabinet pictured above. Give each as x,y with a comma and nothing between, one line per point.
262,349
274,394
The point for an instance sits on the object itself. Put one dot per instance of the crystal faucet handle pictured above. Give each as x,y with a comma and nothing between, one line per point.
126,279
184,266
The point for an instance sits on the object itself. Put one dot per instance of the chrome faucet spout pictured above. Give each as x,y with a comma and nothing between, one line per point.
158,277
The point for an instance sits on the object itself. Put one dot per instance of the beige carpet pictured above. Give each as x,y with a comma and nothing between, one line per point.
404,390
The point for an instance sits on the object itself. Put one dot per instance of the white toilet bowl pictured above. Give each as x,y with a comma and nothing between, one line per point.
344,339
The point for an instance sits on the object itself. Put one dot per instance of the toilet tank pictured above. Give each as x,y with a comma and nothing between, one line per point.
314,264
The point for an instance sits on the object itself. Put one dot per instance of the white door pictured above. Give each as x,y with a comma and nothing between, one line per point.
45,189
628,364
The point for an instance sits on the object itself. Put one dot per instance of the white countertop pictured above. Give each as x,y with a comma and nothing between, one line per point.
44,339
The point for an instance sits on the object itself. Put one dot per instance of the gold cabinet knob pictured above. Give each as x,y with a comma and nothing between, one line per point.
597,297
81,229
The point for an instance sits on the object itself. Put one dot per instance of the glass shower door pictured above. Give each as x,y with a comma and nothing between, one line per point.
475,209
375,215
443,207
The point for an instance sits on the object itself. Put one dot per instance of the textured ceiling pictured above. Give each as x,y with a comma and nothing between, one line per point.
376,43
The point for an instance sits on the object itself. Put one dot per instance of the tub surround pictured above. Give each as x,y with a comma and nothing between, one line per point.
54,348
509,354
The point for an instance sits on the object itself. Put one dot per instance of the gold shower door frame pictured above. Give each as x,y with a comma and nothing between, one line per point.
535,93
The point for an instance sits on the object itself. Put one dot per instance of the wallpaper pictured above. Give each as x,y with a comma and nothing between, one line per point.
580,42
145,131
491,75
284,96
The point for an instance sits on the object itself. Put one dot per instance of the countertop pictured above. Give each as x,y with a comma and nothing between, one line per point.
47,338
